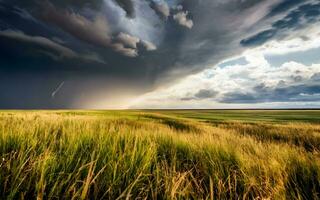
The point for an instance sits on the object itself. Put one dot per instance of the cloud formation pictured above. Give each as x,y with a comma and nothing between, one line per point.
202,94
49,47
149,46
295,19
248,84
162,8
128,6
38,40
94,31
182,19
146,44
128,40
128,44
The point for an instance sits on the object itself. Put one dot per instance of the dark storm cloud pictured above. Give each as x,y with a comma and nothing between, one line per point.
131,41
41,41
49,47
284,6
95,31
202,94
259,38
293,93
205,94
296,19
128,6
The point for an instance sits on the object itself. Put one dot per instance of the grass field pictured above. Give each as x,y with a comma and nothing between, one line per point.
158,154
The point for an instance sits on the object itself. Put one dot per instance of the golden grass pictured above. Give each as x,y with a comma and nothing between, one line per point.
53,155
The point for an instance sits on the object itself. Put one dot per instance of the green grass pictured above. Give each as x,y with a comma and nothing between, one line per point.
277,116
173,154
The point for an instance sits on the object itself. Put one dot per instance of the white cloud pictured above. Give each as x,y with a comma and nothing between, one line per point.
128,40
182,19
148,45
303,40
163,9
127,45
141,26
119,47
240,79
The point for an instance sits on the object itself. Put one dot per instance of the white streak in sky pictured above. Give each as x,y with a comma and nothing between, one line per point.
57,90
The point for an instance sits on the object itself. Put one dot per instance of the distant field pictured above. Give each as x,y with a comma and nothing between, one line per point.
160,154
278,116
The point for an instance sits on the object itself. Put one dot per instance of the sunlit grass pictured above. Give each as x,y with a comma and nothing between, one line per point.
137,155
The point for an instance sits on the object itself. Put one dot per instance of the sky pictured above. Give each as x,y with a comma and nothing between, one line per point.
197,54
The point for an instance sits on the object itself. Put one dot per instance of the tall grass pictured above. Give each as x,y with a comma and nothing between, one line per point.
61,156
299,134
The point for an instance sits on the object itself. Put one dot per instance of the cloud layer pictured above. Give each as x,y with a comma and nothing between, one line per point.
254,83
102,46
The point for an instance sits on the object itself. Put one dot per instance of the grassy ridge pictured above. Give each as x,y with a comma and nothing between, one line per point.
155,155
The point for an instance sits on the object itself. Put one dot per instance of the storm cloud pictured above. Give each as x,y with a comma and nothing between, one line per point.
298,18
102,47
202,94
41,41
128,6
307,93
162,8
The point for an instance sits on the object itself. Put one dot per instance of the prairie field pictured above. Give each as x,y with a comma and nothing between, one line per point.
160,154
